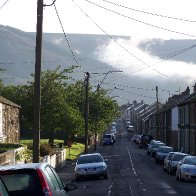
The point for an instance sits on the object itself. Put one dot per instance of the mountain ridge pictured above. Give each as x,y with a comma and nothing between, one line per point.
17,56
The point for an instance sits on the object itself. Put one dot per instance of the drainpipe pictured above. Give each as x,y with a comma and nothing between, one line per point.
189,128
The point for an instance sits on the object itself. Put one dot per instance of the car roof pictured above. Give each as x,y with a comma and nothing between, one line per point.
181,153
23,166
166,147
90,154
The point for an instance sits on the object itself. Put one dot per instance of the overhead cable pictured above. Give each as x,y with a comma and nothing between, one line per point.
140,21
120,44
65,36
3,4
150,13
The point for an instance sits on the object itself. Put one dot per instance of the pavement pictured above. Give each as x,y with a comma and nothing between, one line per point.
66,173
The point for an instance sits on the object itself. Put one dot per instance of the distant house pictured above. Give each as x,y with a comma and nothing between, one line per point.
187,123
169,120
9,121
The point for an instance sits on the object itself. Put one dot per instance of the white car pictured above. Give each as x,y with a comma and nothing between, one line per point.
186,169
90,165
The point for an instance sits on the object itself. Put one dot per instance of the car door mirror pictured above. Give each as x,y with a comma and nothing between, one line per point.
106,160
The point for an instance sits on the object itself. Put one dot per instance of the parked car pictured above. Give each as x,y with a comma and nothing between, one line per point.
166,160
108,139
145,140
134,138
33,179
138,139
186,169
149,146
155,147
3,188
175,159
162,152
90,165
130,128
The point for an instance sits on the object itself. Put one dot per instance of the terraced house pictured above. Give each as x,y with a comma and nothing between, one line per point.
9,121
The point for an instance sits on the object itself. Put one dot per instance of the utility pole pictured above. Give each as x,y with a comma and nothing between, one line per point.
96,125
157,115
37,86
86,111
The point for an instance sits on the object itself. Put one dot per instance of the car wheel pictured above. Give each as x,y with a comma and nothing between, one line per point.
169,171
156,161
180,178
177,177
106,176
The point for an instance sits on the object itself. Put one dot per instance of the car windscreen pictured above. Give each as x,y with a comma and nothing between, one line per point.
178,157
190,160
165,150
21,182
89,159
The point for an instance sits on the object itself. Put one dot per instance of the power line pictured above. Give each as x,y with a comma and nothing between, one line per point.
118,43
3,4
138,88
65,35
150,13
140,21
53,2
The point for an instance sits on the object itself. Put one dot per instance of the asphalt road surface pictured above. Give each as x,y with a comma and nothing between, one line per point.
131,172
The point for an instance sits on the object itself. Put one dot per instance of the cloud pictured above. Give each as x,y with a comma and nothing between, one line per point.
132,60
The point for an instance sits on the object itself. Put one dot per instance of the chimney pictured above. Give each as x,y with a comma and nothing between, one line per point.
187,91
194,88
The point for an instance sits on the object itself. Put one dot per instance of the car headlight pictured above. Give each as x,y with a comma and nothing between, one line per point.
80,170
185,169
101,168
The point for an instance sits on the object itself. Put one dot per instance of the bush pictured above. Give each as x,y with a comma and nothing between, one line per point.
45,149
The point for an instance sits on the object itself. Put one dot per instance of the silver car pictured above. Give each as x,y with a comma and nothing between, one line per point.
90,165
186,169
162,152
155,147
176,158
166,161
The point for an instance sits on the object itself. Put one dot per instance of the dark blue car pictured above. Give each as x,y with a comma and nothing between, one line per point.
108,139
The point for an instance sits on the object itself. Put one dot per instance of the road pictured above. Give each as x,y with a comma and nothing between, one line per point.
131,172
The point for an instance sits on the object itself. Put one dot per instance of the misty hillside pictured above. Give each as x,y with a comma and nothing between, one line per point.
17,57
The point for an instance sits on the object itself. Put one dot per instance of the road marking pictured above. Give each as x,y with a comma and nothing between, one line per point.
168,188
110,187
130,189
117,155
132,165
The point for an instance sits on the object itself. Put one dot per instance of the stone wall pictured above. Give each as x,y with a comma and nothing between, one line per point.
10,123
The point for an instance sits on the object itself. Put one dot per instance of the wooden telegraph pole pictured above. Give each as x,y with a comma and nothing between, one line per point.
86,111
157,115
37,87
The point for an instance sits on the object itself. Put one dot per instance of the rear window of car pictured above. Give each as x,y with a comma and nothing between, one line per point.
3,189
21,182
108,136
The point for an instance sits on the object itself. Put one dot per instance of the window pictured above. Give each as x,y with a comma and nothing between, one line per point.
24,182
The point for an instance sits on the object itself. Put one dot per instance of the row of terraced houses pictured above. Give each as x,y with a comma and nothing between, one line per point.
173,122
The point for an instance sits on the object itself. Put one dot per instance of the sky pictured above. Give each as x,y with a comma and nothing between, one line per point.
140,19
134,18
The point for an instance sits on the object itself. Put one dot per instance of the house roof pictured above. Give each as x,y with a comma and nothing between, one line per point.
8,102
190,99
